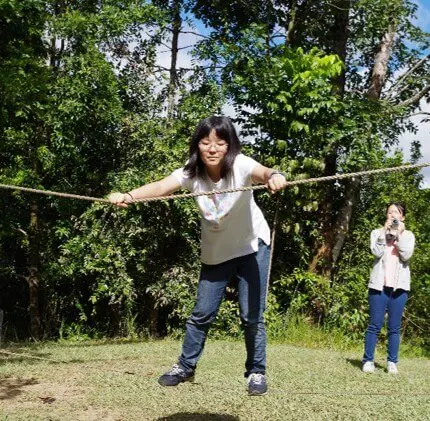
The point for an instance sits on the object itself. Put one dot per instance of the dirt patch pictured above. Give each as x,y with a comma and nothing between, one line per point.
33,393
43,398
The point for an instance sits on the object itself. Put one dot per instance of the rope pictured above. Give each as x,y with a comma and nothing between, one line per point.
209,193
53,193
272,246
346,394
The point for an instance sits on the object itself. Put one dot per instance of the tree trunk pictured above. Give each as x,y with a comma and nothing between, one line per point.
352,191
379,71
34,265
322,261
289,39
173,81
340,33
343,221
1,325
153,321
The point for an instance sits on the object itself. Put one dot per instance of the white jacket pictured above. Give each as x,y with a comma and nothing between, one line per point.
405,246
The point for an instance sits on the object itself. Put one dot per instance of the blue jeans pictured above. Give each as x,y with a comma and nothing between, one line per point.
392,302
251,271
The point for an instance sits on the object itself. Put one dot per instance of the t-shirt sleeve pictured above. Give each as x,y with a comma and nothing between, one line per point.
185,182
245,165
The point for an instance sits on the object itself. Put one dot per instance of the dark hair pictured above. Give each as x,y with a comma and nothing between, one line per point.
225,130
400,206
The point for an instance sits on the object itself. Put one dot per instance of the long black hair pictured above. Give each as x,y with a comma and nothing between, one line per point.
225,130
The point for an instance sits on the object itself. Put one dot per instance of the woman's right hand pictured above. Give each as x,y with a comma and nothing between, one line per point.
118,199
387,224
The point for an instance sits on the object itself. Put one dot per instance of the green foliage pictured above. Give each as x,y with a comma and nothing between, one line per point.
176,290
82,109
338,306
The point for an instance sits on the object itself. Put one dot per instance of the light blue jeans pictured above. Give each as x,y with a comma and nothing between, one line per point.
380,302
251,271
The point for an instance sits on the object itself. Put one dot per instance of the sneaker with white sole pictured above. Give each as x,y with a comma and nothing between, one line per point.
257,384
175,376
369,367
392,368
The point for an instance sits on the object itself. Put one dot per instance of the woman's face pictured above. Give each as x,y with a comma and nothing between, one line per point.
213,150
393,212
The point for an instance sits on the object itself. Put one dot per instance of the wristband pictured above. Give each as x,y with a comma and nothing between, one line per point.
131,197
277,172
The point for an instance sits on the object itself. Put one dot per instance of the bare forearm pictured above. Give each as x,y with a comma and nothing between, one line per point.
148,190
164,187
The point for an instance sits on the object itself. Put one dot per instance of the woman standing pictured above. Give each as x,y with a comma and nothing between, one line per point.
389,284
235,240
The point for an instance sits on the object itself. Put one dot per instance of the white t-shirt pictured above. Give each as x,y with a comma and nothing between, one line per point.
231,223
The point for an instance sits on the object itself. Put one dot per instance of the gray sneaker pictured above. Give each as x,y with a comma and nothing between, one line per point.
392,368
175,376
369,367
257,384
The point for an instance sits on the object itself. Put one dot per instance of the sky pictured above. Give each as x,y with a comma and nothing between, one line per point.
405,140
423,134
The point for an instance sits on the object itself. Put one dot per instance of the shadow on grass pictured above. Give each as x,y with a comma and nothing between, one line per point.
355,362
32,355
36,359
359,364
196,416
76,344
18,356
12,387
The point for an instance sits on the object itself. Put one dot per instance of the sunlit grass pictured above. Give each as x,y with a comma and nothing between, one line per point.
118,381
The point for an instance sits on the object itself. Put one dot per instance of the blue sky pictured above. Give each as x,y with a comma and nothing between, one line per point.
423,15
423,134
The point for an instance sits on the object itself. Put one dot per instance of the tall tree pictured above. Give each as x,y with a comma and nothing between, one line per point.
392,20
363,36
62,114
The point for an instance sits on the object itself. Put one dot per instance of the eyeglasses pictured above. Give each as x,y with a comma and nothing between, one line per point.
219,146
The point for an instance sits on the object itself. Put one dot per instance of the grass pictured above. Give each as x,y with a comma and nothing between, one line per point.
118,382
301,332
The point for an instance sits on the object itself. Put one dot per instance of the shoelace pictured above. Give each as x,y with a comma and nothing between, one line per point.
175,370
256,378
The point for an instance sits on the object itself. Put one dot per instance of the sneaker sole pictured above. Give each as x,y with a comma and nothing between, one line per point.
189,379
257,393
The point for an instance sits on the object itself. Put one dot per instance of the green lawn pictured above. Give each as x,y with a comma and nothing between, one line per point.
118,381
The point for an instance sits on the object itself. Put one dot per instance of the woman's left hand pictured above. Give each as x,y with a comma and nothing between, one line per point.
401,227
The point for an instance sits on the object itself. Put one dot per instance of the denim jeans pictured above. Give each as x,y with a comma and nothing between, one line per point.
380,302
251,271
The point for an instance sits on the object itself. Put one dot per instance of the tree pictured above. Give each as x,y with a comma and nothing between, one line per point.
363,124
59,131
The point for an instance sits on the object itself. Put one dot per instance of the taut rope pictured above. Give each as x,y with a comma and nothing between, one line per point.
209,193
